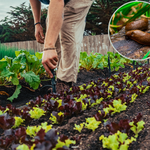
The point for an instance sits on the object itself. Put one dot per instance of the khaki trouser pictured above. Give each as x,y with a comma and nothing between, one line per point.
69,41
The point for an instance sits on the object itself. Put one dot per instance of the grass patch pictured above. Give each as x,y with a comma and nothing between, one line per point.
10,51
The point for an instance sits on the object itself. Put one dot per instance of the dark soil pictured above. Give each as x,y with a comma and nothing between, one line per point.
89,139
26,93
85,76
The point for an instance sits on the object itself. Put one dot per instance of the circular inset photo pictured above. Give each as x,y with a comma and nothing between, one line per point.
129,30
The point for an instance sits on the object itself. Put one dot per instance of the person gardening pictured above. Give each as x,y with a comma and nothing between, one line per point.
65,25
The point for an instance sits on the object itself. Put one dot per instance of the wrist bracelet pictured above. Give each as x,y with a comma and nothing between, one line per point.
37,23
45,49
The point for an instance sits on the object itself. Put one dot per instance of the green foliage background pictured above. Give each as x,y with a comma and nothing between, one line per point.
20,25
10,51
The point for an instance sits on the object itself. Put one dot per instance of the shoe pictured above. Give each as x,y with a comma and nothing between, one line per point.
62,85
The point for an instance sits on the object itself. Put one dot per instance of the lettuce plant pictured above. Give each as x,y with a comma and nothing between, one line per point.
133,97
22,147
61,144
117,107
3,112
33,130
53,119
136,128
126,78
80,99
146,89
56,117
98,101
117,141
25,147
18,121
60,102
92,123
79,127
49,140
36,113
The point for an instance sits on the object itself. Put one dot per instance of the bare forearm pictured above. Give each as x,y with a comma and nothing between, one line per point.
36,9
55,20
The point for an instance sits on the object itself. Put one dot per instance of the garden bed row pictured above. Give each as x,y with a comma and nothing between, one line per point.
89,139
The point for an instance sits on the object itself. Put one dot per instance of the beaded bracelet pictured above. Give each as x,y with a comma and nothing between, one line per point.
37,23
45,49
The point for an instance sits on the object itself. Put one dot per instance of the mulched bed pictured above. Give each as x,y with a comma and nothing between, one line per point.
85,76
89,139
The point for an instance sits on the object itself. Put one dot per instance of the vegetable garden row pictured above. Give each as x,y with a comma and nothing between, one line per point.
29,68
38,125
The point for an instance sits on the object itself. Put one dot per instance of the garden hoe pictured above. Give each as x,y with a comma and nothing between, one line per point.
52,86
53,82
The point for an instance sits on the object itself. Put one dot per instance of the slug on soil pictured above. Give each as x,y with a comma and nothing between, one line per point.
139,36
141,24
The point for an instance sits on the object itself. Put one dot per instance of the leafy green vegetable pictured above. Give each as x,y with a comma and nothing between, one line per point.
3,64
138,127
15,80
39,55
99,61
117,107
79,127
92,123
53,119
16,93
33,130
32,79
23,147
18,121
61,144
133,98
36,113
117,141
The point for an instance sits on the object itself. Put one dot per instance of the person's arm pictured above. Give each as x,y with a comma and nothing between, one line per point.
36,10
55,20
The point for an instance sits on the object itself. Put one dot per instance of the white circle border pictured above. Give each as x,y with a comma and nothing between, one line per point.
109,33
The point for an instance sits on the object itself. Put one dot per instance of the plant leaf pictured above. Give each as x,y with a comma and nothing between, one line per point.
39,55
3,64
16,93
6,73
15,80
32,79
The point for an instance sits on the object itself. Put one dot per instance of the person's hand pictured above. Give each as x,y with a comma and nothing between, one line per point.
39,34
49,61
